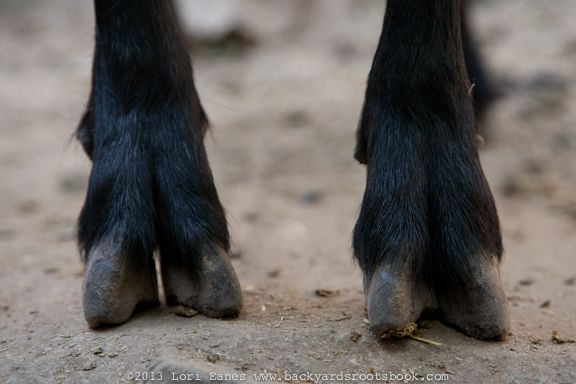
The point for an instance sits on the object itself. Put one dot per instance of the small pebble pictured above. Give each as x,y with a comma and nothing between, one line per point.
90,367
97,351
213,358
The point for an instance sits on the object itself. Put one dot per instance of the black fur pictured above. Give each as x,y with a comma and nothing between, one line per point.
426,200
151,185
426,197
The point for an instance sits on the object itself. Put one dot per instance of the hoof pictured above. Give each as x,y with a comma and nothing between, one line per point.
116,285
394,299
209,285
479,308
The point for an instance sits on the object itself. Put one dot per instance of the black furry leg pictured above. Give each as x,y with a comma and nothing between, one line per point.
150,186
192,232
392,236
116,233
428,234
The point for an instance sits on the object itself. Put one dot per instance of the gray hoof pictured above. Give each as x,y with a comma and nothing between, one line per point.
394,299
480,308
209,286
116,285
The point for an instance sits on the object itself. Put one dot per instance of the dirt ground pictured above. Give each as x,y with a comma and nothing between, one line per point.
284,115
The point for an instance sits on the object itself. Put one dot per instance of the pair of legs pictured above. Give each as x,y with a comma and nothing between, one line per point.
427,236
